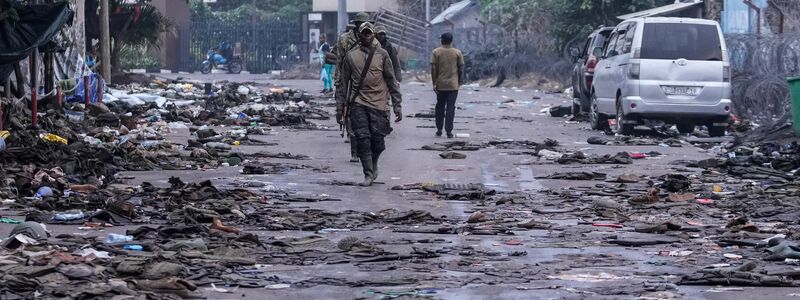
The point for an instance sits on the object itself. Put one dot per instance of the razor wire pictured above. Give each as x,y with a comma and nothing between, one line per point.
760,65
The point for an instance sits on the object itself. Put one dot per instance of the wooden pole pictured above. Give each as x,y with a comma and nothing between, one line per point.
105,41
99,90
49,73
86,90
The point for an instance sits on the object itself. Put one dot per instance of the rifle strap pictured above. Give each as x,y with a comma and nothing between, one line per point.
364,71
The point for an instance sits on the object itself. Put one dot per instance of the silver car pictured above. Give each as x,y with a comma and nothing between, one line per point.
670,69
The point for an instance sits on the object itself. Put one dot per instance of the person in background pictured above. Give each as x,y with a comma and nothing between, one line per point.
327,69
387,45
447,69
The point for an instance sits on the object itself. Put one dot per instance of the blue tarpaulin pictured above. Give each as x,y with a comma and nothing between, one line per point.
80,90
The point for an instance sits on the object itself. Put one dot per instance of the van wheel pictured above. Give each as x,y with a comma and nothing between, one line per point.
715,131
621,127
685,128
576,109
596,119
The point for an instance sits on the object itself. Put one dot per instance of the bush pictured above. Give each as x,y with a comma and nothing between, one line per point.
138,58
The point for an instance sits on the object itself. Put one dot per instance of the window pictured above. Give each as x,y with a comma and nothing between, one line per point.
675,41
610,47
626,48
586,48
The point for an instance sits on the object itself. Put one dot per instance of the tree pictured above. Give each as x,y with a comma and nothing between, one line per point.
575,19
134,24
252,10
563,20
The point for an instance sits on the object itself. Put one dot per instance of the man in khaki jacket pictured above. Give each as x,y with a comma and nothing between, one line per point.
447,69
368,108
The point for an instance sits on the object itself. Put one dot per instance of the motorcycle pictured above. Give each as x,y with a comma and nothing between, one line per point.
216,60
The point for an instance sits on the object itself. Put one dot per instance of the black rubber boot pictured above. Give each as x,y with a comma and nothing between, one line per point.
353,151
369,170
375,157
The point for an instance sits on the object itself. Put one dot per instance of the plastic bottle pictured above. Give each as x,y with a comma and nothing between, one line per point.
44,191
133,247
217,145
114,238
69,216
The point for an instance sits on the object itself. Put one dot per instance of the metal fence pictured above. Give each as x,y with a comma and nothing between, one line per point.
760,66
264,46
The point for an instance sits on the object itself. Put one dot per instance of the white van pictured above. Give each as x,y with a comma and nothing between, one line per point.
670,69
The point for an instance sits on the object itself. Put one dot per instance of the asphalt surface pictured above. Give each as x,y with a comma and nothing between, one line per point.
484,114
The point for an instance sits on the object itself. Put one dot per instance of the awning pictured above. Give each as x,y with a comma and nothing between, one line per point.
660,11
452,11
37,25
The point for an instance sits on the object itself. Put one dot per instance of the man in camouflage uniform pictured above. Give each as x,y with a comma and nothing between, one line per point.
368,101
346,42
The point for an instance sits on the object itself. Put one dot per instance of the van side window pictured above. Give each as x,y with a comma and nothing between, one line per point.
621,41
611,46
629,38
586,49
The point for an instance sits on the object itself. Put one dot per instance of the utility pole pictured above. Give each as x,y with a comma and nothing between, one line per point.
105,42
341,24
427,10
427,23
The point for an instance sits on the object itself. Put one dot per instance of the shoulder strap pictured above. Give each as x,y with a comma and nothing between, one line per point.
366,68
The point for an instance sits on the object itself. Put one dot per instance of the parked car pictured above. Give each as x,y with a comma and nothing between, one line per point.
671,69
585,60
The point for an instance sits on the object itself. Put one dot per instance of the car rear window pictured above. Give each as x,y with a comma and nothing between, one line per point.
600,40
687,41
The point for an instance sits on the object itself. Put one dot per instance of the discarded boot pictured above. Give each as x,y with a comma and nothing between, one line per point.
172,285
452,155
649,198
534,224
369,170
217,224
675,183
477,217
657,228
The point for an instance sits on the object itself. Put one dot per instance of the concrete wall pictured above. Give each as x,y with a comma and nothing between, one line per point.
179,14
355,5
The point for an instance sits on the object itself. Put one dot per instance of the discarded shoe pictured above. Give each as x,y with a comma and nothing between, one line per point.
649,198
217,224
172,285
452,155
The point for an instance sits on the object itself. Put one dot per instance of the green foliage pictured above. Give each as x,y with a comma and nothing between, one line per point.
135,57
148,29
563,20
252,11
200,10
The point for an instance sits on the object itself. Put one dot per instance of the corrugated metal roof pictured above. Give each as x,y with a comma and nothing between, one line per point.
666,9
452,11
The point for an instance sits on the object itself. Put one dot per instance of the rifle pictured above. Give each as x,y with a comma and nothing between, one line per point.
352,93
345,108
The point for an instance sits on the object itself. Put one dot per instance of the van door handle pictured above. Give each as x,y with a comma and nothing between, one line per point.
608,67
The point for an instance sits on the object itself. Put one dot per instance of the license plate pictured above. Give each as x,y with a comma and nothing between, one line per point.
681,90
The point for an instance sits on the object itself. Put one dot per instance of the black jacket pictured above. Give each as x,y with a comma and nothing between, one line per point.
398,73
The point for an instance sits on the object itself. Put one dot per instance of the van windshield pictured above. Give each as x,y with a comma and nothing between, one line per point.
675,41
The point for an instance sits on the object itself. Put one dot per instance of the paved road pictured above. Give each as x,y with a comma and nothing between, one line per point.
598,271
